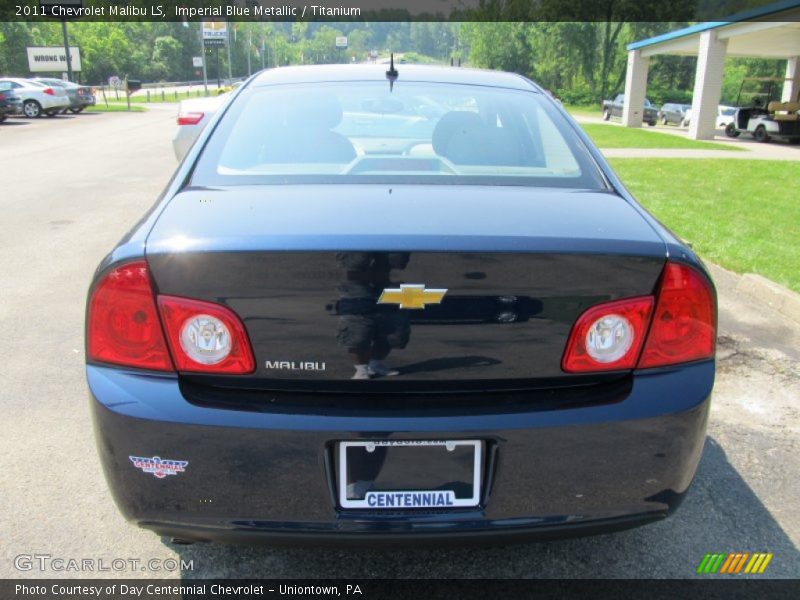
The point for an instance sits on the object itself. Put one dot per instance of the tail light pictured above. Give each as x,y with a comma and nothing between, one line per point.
49,91
205,337
122,322
2,96
190,118
609,336
684,322
123,328
631,333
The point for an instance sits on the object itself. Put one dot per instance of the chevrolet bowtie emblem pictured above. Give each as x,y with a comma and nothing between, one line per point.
411,296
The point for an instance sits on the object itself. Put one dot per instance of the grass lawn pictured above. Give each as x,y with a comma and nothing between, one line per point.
115,107
743,215
611,136
584,110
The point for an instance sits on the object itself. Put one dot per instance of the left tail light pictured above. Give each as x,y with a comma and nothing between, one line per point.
122,323
124,327
205,337
49,91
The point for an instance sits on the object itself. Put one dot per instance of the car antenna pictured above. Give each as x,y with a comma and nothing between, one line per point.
392,73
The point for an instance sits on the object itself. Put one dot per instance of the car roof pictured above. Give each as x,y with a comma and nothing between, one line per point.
406,72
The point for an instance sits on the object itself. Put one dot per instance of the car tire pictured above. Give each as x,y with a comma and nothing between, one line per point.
51,113
606,115
32,109
664,120
75,111
651,123
3,117
760,134
731,132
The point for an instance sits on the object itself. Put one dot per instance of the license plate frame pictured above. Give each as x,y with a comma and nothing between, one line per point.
452,500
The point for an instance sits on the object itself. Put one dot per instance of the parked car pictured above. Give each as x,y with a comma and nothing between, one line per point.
193,115
79,96
38,98
673,114
255,360
10,104
613,108
760,113
724,116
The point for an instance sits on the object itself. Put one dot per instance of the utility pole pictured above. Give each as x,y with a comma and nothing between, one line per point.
263,47
219,74
228,44
66,49
249,50
203,54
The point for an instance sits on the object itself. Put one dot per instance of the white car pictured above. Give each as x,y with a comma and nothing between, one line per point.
725,116
193,115
38,98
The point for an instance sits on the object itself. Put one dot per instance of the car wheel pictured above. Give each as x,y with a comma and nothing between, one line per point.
3,117
664,120
32,109
51,113
75,111
606,115
760,134
730,131
651,123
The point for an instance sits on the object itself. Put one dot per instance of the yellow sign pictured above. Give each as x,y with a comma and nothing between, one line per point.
413,296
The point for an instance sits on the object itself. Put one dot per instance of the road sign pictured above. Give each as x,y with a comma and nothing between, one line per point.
114,82
341,41
197,61
215,33
47,59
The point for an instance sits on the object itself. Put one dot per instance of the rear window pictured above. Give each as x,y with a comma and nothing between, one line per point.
417,132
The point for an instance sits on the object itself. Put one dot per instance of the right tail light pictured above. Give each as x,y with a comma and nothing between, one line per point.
678,325
684,325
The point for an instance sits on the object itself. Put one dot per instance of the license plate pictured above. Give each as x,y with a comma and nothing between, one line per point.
414,474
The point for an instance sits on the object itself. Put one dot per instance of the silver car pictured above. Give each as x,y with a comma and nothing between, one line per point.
80,96
38,98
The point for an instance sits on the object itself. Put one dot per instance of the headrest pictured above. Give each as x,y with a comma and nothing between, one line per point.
455,124
775,105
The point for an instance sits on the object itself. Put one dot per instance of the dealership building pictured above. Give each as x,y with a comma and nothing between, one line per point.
771,31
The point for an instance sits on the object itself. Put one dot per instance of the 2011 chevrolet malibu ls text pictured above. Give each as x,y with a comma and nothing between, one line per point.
411,304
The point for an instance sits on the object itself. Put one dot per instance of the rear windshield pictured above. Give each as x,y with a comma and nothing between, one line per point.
415,133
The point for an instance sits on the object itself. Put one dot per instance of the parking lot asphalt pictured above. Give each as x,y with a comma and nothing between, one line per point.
72,186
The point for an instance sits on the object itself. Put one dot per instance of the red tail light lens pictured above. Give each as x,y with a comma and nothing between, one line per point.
190,118
684,321
205,337
122,322
630,333
608,337
49,91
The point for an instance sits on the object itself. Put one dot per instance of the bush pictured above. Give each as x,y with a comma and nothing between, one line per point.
581,97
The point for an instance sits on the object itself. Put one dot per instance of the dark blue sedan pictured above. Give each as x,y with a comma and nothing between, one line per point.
412,304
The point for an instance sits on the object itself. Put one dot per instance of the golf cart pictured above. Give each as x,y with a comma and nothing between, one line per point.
760,112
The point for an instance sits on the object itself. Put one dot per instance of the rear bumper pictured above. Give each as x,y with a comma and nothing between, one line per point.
269,476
